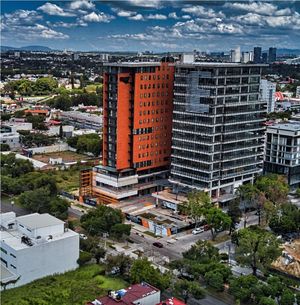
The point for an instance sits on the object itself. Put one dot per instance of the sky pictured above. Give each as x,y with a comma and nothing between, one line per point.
154,25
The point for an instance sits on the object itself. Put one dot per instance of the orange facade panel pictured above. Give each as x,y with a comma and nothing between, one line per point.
124,121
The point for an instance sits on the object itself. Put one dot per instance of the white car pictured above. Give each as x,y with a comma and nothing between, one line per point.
198,230
82,236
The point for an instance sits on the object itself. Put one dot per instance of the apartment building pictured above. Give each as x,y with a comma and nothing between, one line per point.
282,151
267,93
218,126
34,246
137,129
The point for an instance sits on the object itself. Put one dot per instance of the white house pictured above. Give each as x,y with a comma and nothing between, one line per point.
34,246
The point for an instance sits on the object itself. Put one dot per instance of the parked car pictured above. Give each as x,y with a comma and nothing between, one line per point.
198,230
83,236
158,244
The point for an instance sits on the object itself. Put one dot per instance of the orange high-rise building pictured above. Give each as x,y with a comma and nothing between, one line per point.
137,129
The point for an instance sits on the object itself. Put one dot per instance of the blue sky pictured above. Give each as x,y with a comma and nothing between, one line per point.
157,25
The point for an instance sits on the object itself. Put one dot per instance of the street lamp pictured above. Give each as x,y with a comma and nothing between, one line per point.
12,205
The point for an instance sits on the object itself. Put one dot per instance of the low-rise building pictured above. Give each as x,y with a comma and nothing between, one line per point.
282,151
34,246
82,120
142,294
12,139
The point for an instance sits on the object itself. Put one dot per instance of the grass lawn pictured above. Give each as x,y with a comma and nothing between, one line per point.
67,180
92,88
74,288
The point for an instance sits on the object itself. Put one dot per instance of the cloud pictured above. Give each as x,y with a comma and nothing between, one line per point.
123,13
145,3
81,4
156,17
54,10
186,17
262,8
97,17
68,25
201,11
137,17
173,15
20,17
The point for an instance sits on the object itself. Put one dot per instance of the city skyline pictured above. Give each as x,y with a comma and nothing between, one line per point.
155,25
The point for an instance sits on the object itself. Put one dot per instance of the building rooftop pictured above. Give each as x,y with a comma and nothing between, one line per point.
218,64
129,295
133,64
290,126
35,221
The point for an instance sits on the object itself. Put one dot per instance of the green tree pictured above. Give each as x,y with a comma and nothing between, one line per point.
121,262
36,201
98,253
101,219
267,301
4,147
287,297
202,252
242,287
59,207
288,221
10,166
198,202
142,270
185,289
38,121
84,257
215,280
120,230
256,248
45,85
217,221
5,116
235,213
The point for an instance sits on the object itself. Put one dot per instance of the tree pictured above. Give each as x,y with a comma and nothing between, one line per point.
287,297
202,252
98,253
10,166
198,202
287,221
242,287
215,280
217,221
121,262
101,219
267,301
120,230
5,116
186,289
4,147
256,248
59,207
274,187
142,270
37,201
84,257
235,213
37,121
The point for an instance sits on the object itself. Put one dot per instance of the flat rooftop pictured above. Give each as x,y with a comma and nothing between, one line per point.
218,64
6,275
133,64
35,221
290,126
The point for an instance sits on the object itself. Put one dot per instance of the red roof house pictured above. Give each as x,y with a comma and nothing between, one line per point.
136,294
172,301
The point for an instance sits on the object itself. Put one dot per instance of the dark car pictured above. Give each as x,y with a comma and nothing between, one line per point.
158,244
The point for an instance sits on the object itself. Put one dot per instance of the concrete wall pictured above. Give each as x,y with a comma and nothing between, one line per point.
49,149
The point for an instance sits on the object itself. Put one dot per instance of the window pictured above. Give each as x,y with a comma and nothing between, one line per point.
13,255
3,250
13,266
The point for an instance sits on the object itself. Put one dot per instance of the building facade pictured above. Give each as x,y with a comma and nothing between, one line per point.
218,130
272,56
34,246
282,151
257,55
137,129
267,93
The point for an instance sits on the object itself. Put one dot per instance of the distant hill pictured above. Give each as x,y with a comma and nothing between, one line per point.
26,48
288,51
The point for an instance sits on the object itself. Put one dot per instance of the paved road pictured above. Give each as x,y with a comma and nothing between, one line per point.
6,206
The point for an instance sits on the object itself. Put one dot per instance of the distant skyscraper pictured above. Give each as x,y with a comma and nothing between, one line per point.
264,57
235,55
246,57
267,93
257,55
272,55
